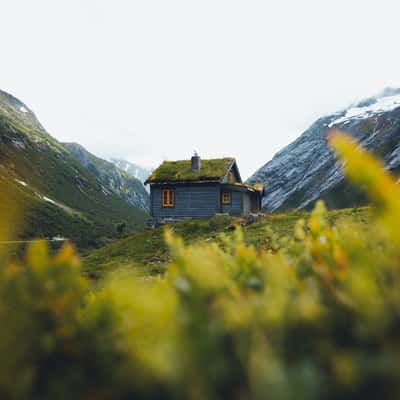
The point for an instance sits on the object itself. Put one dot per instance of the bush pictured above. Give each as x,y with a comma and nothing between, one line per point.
316,319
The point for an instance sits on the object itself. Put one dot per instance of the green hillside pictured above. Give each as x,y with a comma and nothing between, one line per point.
148,252
57,194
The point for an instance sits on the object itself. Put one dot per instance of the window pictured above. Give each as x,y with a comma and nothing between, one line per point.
226,198
168,197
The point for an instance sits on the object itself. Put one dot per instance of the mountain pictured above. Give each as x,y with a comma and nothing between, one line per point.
307,170
58,195
135,170
123,184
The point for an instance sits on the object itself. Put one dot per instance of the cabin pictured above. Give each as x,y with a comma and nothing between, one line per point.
199,188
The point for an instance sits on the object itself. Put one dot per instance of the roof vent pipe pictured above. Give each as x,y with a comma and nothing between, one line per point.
196,162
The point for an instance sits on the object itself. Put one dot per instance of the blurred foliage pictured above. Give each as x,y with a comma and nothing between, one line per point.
148,253
316,318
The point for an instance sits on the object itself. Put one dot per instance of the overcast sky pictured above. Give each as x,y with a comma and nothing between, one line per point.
153,80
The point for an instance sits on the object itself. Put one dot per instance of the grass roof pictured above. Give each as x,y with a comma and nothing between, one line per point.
257,186
176,171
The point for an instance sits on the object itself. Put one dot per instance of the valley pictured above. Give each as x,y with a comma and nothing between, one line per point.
178,298
199,200
65,191
58,193
147,254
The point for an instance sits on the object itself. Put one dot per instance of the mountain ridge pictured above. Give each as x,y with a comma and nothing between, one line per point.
139,172
307,170
58,195
125,185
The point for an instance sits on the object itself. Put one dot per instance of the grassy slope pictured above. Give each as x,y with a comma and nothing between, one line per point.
38,218
88,213
147,249
182,170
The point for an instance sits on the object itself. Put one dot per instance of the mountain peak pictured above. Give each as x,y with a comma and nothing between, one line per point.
306,169
139,172
82,202
16,110
387,100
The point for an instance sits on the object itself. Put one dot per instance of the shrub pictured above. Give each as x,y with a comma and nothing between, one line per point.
316,319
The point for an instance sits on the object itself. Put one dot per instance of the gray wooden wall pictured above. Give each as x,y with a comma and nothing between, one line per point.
196,201
235,207
190,201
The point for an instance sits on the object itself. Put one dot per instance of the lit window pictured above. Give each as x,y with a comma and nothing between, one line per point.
226,197
168,198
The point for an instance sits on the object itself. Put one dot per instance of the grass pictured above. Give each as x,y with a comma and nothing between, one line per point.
148,252
314,316
86,215
181,170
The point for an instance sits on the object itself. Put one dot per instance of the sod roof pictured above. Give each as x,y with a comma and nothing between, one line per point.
258,187
177,171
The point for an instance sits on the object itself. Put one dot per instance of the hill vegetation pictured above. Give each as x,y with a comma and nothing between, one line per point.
148,253
170,171
314,317
58,194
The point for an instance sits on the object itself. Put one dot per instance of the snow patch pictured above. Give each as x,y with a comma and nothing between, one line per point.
48,200
45,198
381,105
58,238
21,182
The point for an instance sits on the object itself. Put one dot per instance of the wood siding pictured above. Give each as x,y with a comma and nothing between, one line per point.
232,174
246,203
235,208
190,201
201,200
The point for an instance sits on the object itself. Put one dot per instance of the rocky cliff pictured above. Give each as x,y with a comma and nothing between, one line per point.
307,170
123,184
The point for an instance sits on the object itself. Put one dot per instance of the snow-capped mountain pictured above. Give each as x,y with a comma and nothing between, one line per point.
307,170
120,182
137,171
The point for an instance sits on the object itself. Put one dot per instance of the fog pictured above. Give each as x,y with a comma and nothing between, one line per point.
154,80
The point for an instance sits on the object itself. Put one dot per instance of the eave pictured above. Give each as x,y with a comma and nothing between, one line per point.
181,182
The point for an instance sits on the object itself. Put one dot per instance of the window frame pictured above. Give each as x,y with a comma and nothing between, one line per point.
168,198
226,197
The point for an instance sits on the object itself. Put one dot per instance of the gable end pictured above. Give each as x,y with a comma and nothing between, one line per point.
233,168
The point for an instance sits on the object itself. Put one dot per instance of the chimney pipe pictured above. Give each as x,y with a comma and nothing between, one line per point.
196,162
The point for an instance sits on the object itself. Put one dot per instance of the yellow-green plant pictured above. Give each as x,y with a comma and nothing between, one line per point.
316,319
